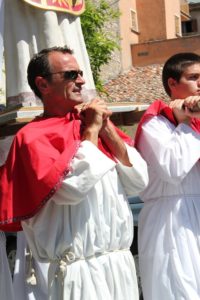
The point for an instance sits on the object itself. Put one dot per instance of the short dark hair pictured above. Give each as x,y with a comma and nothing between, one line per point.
176,65
39,66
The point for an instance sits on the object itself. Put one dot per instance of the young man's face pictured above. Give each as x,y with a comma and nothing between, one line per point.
188,85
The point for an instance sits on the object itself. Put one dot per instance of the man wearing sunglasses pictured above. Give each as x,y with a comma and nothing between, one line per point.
71,172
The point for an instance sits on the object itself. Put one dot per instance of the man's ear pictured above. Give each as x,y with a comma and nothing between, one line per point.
42,85
172,82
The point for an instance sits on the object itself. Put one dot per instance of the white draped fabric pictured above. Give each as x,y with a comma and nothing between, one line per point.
6,289
27,30
85,230
23,289
30,276
169,223
1,38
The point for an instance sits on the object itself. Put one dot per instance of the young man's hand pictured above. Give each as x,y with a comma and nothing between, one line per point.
185,109
192,103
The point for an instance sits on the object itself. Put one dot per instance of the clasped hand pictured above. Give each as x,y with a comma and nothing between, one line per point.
185,109
95,114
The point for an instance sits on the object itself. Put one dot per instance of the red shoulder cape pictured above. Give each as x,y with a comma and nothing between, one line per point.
37,163
158,107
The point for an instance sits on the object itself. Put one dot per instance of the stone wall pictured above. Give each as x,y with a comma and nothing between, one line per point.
112,69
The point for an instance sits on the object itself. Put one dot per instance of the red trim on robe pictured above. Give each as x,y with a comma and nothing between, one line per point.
158,107
38,161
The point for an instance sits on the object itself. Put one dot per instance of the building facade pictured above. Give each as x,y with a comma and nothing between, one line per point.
144,22
192,26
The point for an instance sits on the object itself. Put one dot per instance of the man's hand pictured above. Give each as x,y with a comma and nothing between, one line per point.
114,142
94,114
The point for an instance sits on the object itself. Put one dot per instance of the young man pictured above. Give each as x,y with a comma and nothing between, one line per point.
70,176
169,228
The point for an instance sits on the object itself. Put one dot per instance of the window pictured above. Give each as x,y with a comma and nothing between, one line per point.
190,27
134,23
177,26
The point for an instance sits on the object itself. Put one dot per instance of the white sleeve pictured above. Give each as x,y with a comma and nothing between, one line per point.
134,179
87,167
170,151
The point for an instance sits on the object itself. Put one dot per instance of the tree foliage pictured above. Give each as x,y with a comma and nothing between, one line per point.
100,43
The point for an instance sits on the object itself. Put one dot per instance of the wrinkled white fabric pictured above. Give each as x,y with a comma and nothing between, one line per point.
1,38
24,290
27,30
85,230
6,288
169,223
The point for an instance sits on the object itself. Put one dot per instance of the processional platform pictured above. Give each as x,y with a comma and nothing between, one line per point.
14,118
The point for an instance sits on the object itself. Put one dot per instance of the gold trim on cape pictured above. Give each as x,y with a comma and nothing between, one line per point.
75,7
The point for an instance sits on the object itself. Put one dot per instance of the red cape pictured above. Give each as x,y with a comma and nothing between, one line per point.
37,163
158,107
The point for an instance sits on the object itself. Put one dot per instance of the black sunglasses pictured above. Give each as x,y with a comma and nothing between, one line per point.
68,75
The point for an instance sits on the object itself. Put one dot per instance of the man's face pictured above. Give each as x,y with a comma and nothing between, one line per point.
63,93
188,85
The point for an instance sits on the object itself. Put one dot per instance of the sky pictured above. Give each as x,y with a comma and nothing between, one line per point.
193,1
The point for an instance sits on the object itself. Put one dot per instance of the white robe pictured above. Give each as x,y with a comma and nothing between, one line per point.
169,223
85,230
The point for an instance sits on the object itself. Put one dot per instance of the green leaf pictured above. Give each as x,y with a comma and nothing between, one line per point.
99,42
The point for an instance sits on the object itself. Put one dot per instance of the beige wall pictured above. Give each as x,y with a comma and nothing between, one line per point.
172,8
158,52
151,19
128,36
157,19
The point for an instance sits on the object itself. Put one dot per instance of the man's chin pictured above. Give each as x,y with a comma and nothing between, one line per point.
77,100
78,97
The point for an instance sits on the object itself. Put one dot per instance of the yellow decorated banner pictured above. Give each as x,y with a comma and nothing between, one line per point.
75,7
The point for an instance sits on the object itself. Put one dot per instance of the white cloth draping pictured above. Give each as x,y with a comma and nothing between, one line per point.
22,289
27,30
85,230
6,288
169,223
1,38
26,266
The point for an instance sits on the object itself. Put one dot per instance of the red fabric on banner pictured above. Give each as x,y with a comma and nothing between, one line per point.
158,107
74,7
37,163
